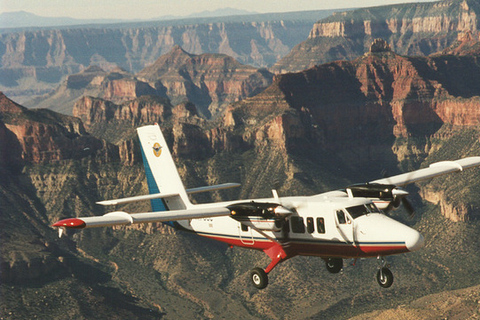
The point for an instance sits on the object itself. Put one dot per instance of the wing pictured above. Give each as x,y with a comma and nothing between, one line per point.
123,218
434,170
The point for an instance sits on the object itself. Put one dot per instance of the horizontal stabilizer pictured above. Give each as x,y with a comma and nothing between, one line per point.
213,188
136,198
163,196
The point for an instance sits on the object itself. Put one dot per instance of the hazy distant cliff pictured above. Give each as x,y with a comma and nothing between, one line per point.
410,29
45,56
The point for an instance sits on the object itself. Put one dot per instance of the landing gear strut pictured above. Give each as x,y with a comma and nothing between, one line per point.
259,276
384,275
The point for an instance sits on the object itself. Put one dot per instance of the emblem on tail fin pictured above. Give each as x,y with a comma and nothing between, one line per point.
157,149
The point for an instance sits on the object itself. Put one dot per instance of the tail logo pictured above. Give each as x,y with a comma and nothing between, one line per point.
157,149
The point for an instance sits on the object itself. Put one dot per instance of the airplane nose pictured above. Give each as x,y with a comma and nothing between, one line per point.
415,241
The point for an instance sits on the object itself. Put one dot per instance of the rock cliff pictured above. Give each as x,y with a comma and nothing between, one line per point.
288,137
379,106
116,86
410,29
210,81
45,57
43,136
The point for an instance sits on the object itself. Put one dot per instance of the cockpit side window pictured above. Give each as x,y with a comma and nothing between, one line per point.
372,208
361,210
297,224
341,217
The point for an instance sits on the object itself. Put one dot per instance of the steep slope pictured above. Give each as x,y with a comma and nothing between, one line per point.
458,304
210,81
410,29
116,85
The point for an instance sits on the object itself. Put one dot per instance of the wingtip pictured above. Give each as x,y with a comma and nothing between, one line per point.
70,223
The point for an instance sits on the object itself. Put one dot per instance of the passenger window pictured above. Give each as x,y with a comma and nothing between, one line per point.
297,225
310,225
320,225
341,217
244,227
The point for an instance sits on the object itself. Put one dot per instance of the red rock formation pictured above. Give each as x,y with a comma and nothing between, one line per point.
40,136
210,81
46,56
410,29
397,93
96,111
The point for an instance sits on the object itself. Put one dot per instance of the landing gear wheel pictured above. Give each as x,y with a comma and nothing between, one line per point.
384,277
334,265
259,278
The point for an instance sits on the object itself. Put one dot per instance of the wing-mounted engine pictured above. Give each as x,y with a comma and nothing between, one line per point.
260,215
385,196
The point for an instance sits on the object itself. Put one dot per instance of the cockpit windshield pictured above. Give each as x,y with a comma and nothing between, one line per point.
361,210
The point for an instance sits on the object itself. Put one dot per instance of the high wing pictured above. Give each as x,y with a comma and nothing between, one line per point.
124,218
434,170
387,193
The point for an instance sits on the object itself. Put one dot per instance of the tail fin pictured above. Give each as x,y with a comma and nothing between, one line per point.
161,172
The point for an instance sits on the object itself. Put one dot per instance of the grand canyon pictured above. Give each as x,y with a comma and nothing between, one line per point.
360,108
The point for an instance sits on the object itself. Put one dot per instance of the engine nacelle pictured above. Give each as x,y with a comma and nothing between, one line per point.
260,215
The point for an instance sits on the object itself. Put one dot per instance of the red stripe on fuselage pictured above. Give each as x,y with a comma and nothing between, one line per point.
320,249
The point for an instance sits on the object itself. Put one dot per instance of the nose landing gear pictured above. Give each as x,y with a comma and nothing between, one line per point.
384,275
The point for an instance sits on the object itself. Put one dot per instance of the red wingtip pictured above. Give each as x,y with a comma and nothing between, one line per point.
70,223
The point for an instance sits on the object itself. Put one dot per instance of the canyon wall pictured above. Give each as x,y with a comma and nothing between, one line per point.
35,62
410,29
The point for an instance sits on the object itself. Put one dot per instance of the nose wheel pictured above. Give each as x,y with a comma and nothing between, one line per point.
384,275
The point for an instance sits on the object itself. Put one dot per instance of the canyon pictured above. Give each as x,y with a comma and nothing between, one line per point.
210,81
302,133
35,62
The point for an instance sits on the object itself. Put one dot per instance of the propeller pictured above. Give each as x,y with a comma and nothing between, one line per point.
387,192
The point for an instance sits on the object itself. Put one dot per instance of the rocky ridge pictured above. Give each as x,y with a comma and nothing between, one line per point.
36,62
210,81
373,107
410,29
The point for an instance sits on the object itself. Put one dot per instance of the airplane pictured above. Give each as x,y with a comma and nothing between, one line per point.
336,225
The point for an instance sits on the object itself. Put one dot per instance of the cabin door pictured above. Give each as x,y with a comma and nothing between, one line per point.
246,234
345,226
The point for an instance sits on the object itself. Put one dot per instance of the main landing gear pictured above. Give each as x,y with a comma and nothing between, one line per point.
259,278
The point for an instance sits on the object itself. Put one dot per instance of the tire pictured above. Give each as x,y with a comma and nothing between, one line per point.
259,278
385,277
334,265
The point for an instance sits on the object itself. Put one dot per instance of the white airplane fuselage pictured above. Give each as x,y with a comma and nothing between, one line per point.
315,230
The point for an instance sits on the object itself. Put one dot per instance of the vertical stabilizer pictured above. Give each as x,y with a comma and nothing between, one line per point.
161,172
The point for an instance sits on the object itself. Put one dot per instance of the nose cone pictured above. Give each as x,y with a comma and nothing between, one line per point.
414,241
